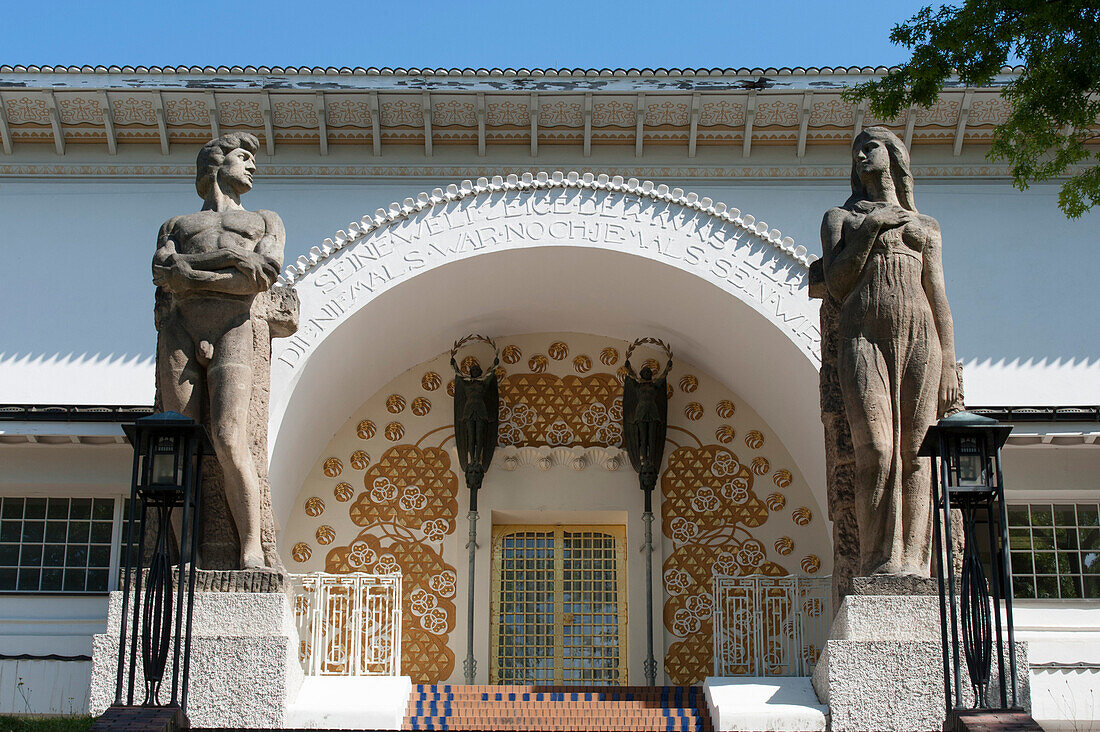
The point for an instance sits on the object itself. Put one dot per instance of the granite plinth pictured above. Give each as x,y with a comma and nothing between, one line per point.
895,585
882,667
244,668
982,720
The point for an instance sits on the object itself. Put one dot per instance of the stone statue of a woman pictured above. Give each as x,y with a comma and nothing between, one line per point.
896,360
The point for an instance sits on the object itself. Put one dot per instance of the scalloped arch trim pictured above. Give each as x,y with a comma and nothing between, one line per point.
396,212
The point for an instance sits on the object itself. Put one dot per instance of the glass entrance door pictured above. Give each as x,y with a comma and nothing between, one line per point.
558,605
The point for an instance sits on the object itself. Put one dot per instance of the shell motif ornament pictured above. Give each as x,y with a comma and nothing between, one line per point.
784,545
500,372
421,406
802,516
558,350
511,354
332,467
538,363
395,431
754,439
314,506
810,564
609,356
360,460
431,381
782,478
395,404
301,552
365,429
582,364
688,383
451,388
725,434
621,375
776,501
343,492
725,409
325,534
761,466
693,411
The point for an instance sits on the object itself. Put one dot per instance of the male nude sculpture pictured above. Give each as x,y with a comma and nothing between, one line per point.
209,266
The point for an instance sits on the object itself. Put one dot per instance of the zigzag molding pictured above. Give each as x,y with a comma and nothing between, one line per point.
396,212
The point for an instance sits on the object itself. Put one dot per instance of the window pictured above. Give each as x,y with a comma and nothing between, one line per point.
1055,550
56,544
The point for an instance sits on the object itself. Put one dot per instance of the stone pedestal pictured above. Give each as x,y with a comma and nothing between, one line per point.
244,657
882,667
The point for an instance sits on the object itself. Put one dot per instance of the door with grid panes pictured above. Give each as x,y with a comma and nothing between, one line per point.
558,611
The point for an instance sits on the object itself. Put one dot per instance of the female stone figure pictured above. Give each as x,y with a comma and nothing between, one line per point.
896,359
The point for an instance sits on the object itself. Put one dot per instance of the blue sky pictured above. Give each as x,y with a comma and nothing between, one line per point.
519,33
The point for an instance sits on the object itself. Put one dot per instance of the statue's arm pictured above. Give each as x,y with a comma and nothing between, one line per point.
936,291
172,270
844,253
270,247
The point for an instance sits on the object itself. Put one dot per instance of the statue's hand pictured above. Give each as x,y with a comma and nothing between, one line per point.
890,216
949,387
176,277
258,268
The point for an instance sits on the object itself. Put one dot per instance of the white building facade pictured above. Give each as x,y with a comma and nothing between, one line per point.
563,213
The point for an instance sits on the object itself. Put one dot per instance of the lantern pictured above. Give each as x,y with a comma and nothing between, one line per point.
966,476
167,476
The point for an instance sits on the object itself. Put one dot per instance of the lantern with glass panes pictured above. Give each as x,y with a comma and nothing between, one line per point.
165,494
966,477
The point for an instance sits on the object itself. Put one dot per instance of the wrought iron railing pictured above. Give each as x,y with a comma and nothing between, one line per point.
770,626
348,624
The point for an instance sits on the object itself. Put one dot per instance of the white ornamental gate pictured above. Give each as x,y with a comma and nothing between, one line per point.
348,624
770,626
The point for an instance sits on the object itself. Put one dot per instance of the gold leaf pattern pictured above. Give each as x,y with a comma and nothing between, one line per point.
810,564
609,356
343,492
395,431
724,434
725,409
431,381
314,506
467,364
802,516
301,552
365,429
782,478
332,467
360,460
325,534
558,350
754,439
784,545
689,383
776,501
511,354
760,465
693,411
395,404
421,406
582,364
537,363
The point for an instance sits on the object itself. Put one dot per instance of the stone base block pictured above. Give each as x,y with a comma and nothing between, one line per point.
772,704
140,719
350,702
882,668
976,720
244,661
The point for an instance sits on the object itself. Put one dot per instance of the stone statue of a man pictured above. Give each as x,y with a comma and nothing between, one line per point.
209,267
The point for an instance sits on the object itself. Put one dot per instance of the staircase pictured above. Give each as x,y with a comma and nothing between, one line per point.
456,707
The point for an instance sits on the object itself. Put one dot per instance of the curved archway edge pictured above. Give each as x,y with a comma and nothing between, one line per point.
368,288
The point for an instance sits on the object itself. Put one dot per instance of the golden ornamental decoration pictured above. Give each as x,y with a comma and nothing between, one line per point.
325,534
365,429
782,478
511,354
693,411
776,501
810,564
395,404
314,506
360,460
332,467
784,545
301,552
537,363
431,381
582,364
802,516
725,409
760,465
689,383
421,406
652,363
724,434
395,431
343,492
754,439
609,356
558,350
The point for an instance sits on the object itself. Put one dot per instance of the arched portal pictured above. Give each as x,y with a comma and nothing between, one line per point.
549,253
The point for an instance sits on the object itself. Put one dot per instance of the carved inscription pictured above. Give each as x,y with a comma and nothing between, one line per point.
718,251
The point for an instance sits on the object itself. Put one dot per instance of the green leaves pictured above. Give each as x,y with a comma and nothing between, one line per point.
1055,102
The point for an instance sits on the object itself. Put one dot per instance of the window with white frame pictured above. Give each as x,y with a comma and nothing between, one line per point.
50,544
1055,550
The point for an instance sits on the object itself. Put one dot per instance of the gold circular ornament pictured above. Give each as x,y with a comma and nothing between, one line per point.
395,431
784,545
360,460
782,478
468,363
325,534
802,516
558,350
451,388
314,506
538,363
754,439
609,356
693,411
582,364
301,552
365,429
810,564
431,381
511,354
761,466
776,501
725,409
395,404
332,467
688,383
343,492
421,406
725,434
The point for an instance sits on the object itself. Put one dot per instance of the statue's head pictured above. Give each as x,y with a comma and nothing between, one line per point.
475,370
877,150
229,160
646,373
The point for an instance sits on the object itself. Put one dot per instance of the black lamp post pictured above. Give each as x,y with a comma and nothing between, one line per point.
167,475
966,475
